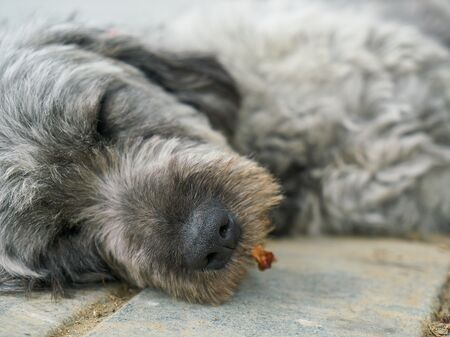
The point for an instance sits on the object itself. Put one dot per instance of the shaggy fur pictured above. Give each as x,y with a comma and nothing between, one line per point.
102,164
345,101
108,144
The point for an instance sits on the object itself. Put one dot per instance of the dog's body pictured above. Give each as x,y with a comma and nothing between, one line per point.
344,102
117,160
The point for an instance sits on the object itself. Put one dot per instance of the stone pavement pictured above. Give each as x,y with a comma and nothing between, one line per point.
39,314
319,287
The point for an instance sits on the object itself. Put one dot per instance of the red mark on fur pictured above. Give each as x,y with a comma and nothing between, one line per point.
263,258
112,32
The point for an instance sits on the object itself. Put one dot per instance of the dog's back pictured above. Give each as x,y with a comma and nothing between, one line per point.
346,102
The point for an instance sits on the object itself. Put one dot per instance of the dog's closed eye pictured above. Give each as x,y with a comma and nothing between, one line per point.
101,115
108,111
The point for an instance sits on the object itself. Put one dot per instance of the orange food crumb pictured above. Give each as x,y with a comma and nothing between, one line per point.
263,258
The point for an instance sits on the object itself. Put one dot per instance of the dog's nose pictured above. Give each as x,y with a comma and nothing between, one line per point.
210,237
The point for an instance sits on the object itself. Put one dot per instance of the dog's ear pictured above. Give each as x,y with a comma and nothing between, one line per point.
197,80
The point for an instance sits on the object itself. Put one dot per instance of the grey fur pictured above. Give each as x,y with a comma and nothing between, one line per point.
347,102
105,151
108,144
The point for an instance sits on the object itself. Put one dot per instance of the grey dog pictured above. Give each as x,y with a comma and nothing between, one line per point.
128,159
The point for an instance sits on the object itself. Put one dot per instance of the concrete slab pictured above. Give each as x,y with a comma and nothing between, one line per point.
326,287
39,314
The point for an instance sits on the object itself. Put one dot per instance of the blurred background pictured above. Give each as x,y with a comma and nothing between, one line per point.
130,13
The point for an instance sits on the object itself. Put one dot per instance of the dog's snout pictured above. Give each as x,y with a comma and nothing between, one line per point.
211,235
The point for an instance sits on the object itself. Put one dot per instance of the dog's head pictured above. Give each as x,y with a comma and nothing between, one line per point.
137,163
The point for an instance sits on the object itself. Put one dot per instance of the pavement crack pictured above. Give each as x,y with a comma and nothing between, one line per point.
93,314
439,324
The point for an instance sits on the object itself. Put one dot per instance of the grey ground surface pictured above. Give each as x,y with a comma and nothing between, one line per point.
318,287
38,314
327,287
